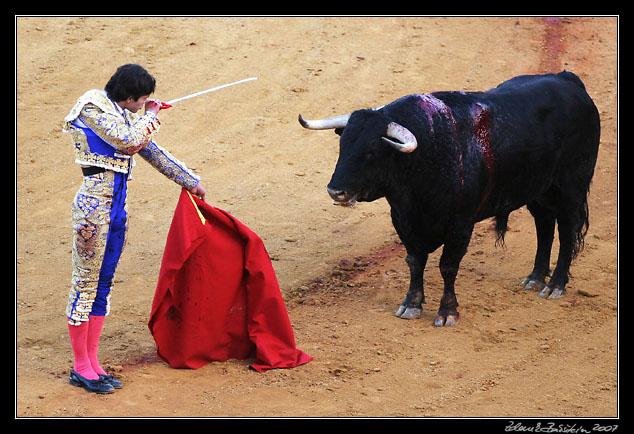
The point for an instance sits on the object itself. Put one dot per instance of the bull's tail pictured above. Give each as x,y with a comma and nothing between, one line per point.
583,224
501,225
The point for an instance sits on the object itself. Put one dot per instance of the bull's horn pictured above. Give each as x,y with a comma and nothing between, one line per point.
325,124
406,140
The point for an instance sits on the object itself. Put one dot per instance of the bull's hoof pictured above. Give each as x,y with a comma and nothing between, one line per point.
532,284
552,292
447,320
405,312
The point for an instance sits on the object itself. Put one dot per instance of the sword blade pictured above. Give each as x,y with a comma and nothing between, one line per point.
213,89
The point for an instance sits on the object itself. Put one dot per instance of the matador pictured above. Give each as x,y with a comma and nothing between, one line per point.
107,132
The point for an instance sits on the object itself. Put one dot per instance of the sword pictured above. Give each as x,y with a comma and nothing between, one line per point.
169,103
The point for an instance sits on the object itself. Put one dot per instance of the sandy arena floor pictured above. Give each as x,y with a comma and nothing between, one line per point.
342,271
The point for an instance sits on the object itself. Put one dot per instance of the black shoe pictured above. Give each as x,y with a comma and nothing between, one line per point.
96,386
111,381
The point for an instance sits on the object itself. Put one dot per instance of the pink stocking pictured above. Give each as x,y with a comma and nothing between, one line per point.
79,343
94,333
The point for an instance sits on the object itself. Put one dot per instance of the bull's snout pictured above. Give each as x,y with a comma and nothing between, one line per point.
341,197
338,195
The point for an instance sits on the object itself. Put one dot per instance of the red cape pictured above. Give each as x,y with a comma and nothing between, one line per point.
217,296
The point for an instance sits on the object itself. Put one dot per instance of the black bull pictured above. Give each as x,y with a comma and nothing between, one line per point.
447,160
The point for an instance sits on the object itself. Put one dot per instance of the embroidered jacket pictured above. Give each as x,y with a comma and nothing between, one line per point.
107,136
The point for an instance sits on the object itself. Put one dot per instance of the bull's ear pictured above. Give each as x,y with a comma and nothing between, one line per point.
339,131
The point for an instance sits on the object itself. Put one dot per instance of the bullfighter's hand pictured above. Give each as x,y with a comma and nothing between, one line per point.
199,191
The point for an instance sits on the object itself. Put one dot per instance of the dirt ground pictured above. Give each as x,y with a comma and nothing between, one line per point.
341,271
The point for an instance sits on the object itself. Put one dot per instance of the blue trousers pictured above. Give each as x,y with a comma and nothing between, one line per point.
100,219
114,245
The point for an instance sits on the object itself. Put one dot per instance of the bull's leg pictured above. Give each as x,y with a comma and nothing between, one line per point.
545,225
412,306
557,286
452,254
569,228
572,224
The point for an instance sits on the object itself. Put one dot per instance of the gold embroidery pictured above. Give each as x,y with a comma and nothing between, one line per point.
127,133
91,220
